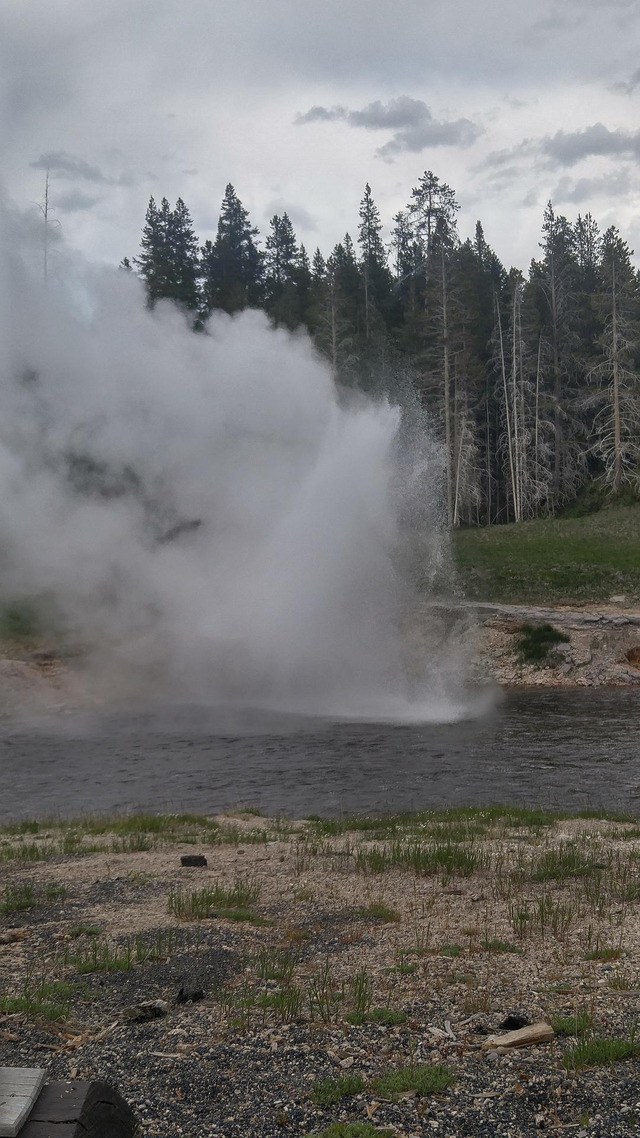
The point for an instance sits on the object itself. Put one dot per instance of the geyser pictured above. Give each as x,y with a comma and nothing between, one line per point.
205,511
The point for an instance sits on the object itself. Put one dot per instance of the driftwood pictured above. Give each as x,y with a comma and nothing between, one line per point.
523,1037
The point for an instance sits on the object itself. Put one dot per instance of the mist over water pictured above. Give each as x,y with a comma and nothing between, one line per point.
205,512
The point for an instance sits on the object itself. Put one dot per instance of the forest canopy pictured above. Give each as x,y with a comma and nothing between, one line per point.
532,379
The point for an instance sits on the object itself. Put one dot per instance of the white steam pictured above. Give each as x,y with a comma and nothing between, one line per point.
205,511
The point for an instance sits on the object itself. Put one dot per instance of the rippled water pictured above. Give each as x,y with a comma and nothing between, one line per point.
560,748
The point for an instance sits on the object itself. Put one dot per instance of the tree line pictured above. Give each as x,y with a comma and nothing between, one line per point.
533,380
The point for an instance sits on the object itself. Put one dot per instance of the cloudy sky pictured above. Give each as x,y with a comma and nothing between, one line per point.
298,104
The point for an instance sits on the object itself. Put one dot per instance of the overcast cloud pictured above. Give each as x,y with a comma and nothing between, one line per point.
300,105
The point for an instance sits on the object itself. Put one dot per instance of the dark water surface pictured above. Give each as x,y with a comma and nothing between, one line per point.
560,748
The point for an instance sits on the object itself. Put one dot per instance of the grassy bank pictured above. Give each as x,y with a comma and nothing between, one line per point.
333,977
553,560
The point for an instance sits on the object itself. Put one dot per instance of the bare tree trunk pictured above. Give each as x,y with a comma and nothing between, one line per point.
617,416
446,368
505,387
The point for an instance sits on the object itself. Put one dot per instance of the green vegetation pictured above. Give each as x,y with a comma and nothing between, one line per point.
18,898
596,1051
40,999
422,1078
553,560
20,621
380,912
564,861
100,955
328,1092
353,1130
499,946
232,903
572,1025
536,642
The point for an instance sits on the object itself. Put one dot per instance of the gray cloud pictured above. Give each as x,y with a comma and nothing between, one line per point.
74,200
412,122
299,217
569,147
616,184
68,166
630,86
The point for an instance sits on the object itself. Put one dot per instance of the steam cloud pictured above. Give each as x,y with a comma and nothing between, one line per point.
205,510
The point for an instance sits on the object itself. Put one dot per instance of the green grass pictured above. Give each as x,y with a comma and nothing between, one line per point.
499,946
380,912
535,643
18,898
40,1000
564,861
595,1052
572,1025
20,621
561,560
423,1078
328,1092
232,902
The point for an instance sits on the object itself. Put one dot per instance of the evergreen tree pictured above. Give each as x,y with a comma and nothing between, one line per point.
282,301
376,278
232,267
616,377
168,260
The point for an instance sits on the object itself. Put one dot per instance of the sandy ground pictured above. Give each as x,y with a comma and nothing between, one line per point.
448,955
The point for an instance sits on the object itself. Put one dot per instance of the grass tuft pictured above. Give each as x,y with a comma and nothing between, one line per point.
328,1092
595,1052
422,1078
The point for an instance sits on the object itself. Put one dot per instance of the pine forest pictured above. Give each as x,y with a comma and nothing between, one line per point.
532,381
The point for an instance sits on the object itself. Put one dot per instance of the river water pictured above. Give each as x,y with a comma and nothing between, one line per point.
563,748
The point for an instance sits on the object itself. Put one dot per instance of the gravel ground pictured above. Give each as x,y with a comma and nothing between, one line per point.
212,1066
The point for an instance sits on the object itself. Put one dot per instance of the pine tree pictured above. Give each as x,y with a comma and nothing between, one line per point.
183,245
280,264
616,377
168,261
232,267
373,263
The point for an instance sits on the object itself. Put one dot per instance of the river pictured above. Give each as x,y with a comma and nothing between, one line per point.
555,747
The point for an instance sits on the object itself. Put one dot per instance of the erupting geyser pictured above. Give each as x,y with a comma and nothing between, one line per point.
205,510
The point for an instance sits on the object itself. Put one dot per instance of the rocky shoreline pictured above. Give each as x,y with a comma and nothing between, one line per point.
361,983
603,646
603,649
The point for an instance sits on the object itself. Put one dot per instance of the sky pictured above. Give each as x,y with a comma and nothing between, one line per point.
298,105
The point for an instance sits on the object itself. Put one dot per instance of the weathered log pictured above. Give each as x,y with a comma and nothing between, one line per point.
80,1109
534,1033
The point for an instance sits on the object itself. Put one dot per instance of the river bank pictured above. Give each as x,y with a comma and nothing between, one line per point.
602,649
602,646
330,971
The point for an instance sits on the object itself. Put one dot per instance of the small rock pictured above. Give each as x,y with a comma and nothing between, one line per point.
147,1010
189,995
348,1062
514,1022
12,936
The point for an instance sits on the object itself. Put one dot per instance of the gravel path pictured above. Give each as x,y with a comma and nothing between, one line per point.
226,1064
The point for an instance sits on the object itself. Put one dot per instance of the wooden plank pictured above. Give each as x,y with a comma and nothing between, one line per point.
19,1090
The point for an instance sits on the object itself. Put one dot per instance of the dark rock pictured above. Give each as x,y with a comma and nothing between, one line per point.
514,1023
189,995
193,859
148,1010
